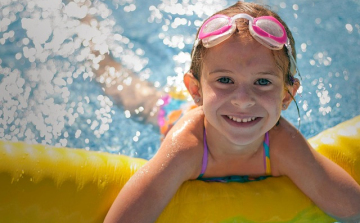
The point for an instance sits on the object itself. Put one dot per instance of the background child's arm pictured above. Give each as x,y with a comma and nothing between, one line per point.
151,188
327,184
124,86
134,92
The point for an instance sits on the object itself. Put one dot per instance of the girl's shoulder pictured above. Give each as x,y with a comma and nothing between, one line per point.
284,132
190,124
287,145
184,142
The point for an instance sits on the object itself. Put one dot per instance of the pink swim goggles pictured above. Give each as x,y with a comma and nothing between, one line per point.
265,29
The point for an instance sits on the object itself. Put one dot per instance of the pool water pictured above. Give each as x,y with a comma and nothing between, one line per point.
48,94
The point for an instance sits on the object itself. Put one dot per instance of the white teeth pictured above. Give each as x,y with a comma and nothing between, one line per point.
241,120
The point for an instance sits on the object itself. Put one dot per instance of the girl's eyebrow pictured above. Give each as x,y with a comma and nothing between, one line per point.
221,70
272,73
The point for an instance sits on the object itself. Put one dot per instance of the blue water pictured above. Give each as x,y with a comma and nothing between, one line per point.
47,94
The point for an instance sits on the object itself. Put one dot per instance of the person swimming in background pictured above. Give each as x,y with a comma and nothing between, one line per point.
161,107
128,90
241,77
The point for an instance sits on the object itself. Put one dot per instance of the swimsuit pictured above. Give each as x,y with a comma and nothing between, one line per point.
171,109
241,179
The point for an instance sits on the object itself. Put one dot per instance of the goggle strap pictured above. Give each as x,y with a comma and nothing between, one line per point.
293,67
197,41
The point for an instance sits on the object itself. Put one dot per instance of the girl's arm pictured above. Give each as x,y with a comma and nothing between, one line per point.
151,188
328,185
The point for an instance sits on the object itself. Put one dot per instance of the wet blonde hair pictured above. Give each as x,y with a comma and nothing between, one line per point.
255,10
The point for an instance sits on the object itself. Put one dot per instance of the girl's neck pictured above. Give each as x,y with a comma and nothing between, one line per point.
219,145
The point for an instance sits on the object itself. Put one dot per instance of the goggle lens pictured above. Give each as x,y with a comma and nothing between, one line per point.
270,27
214,25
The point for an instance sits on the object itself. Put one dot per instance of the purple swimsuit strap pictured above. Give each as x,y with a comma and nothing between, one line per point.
267,139
205,156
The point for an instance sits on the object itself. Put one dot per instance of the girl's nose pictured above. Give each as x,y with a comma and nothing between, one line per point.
243,97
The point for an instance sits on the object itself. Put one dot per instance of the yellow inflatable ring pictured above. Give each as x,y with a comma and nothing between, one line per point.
45,184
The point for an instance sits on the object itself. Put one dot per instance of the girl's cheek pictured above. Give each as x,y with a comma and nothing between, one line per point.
274,100
209,93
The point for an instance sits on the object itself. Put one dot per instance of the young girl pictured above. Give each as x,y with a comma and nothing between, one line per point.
241,77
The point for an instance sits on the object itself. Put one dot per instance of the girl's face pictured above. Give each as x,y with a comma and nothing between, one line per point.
242,90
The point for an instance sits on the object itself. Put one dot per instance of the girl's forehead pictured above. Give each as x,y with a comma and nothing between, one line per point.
238,53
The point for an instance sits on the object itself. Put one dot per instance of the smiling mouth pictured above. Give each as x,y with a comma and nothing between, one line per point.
241,120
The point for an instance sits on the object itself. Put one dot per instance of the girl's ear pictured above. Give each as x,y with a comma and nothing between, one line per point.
290,92
194,88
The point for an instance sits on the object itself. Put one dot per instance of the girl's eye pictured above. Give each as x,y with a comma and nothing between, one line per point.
263,81
225,80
